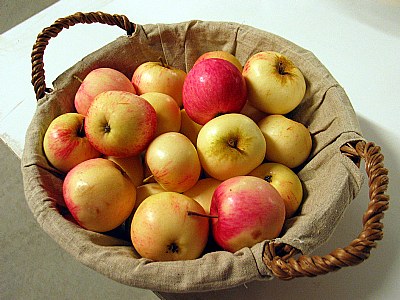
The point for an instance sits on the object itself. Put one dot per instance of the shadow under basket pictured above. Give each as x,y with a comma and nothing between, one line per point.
331,176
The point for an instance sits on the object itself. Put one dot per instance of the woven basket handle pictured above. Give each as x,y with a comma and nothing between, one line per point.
280,258
42,40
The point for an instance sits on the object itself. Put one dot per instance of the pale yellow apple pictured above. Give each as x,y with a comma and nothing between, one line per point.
189,127
173,161
222,55
252,112
132,165
203,192
145,190
274,84
288,142
285,181
163,230
168,112
99,194
230,145
159,77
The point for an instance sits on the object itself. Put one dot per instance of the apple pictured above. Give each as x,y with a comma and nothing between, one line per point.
173,161
222,55
132,166
159,77
275,85
97,81
99,194
120,124
285,181
168,112
213,87
203,191
189,128
252,112
163,228
145,190
230,145
288,142
248,210
65,144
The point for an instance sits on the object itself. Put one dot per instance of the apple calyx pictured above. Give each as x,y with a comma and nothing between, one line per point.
173,247
193,213
107,128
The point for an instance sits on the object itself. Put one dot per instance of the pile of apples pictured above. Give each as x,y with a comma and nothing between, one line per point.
184,158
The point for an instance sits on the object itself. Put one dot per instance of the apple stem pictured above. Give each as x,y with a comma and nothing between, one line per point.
147,179
193,213
163,62
77,78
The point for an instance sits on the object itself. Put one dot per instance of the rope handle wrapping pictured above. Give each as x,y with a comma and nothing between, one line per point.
42,40
279,258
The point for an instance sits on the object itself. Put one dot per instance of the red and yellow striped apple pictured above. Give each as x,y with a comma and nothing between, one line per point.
65,143
98,81
120,124
248,210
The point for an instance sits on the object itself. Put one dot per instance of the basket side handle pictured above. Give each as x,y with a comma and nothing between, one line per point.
280,258
42,40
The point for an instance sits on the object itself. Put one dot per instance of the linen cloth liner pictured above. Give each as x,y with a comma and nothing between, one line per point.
330,179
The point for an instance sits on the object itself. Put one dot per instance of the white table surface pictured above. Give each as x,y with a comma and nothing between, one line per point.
359,42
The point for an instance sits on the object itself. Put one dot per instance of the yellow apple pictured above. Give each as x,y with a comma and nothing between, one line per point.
203,192
230,145
168,112
159,77
252,112
173,161
285,181
189,128
223,55
163,230
132,165
99,194
145,190
288,142
275,85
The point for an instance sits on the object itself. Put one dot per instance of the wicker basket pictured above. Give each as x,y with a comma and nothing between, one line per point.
283,260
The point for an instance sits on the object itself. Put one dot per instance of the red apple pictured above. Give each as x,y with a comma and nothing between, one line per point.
213,87
120,124
65,144
249,210
98,81
159,77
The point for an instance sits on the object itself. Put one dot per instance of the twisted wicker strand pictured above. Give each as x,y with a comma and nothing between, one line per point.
286,267
42,40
